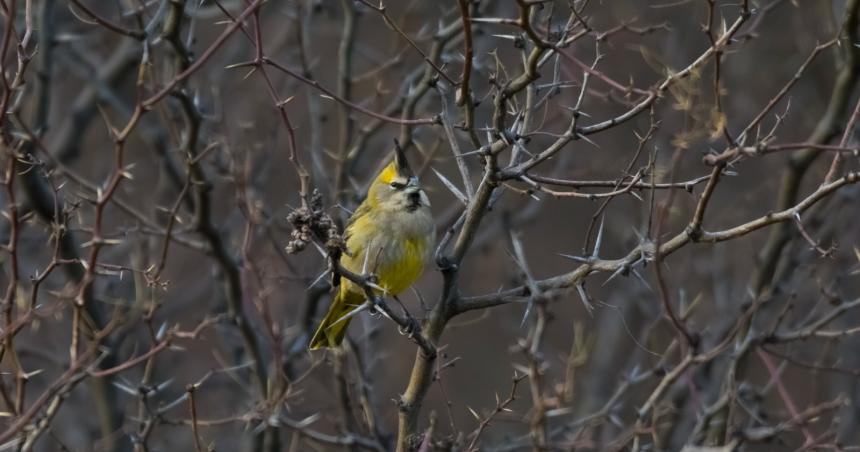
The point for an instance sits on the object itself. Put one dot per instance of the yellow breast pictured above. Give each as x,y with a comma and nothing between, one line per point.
396,258
397,274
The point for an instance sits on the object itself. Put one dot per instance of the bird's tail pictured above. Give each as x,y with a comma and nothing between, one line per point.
332,328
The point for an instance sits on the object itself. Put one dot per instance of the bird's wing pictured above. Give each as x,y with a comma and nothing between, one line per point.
353,226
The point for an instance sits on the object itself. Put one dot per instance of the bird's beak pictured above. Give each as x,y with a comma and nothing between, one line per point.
414,194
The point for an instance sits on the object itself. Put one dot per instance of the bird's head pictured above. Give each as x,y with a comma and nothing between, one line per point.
397,187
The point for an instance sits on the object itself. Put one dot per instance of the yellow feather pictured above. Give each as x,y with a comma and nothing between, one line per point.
388,174
332,329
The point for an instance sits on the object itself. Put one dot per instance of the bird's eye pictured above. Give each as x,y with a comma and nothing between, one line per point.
397,185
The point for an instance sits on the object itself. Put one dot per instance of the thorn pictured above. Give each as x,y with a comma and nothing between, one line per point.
321,276
587,140
474,413
516,125
526,313
124,388
377,287
238,65
285,101
581,259
249,73
644,283
620,271
363,307
306,422
158,388
235,368
584,296
476,151
166,408
599,240
159,336
319,248
451,187
28,375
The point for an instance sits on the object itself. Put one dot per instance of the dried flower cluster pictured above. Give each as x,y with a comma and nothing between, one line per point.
313,222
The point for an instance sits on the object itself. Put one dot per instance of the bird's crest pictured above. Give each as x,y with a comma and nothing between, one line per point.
399,167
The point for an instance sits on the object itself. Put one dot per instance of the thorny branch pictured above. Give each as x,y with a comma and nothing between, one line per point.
176,175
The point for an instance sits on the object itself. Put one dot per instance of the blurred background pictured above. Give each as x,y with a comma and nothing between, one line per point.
190,206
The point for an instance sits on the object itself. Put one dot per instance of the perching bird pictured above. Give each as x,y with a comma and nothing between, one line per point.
390,235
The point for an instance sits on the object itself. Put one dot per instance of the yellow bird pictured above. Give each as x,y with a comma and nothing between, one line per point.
390,235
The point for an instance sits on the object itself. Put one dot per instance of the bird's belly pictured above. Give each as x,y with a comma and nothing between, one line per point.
402,265
396,261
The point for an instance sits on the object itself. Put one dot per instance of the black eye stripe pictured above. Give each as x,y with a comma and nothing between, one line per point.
398,185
